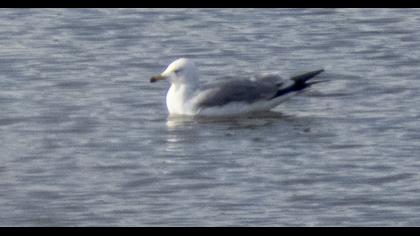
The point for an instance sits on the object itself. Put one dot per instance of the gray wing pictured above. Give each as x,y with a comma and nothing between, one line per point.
240,90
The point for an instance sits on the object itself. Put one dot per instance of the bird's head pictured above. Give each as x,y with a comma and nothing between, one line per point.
182,70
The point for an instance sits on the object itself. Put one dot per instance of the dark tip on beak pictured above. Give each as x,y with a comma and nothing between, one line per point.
156,78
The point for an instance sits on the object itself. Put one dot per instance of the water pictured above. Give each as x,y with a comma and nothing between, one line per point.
85,139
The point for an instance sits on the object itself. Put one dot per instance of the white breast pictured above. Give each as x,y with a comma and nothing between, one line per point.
178,100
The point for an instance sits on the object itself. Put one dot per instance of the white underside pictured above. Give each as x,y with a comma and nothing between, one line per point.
238,108
179,103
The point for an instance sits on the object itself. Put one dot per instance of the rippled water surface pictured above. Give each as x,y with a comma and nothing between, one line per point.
85,139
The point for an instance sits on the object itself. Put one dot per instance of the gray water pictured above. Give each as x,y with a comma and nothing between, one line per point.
85,139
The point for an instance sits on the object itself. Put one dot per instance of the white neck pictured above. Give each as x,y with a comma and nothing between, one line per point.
178,98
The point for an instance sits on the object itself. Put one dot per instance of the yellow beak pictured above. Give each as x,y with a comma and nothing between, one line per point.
156,78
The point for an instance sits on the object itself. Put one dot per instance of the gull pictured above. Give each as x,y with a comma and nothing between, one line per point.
187,96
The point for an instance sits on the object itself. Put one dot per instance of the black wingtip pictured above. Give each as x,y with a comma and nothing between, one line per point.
305,77
300,83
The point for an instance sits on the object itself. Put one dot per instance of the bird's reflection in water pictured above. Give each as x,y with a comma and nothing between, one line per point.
252,120
187,135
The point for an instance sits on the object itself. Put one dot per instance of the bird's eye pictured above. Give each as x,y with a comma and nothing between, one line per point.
177,71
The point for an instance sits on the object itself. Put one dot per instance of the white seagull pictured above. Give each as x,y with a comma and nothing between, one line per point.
187,96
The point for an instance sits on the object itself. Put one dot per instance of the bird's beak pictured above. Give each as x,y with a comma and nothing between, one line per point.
156,78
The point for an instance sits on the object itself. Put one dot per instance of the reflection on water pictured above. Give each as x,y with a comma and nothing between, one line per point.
241,121
221,136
